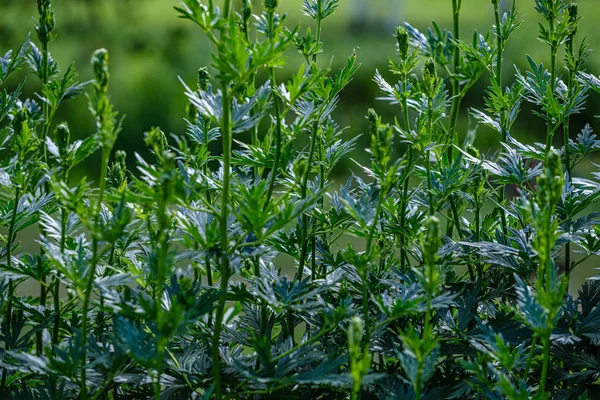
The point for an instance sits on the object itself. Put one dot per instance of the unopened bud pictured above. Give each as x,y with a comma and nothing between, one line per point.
121,157
373,121
429,69
63,138
203,79
573,13
100,64
46,22
403,42
271,5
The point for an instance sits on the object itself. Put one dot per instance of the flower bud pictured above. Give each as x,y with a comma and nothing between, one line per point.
429,69
120,158
203,79
19,120
156,139
573,13
403,42
373,121
100,64
45,25
271,5
117,173
63,139
433,241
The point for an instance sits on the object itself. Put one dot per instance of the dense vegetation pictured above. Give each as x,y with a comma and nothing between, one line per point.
228,274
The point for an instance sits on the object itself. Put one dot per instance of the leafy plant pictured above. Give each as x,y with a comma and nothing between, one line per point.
245,273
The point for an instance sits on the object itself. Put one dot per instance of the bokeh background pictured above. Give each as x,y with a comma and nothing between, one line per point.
150,47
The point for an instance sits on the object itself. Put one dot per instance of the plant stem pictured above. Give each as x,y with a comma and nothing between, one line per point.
11,285
499,59
303,193
456,98
546,363
227,138
568,169
405,203
365,273
209,281
91,276
553,50
428,157
270,18
56,288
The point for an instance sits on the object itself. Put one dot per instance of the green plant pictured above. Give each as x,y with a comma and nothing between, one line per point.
241,271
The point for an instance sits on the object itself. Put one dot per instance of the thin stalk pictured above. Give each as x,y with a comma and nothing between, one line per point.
365,274
545,364
45,129
90,278
500,46
303,192
216,339
530,357
56,287
209,281
319,20
11,285
456,97
277,120
45,107
428,160
478,237
43,298
568,169
553,50
226,135
163,248
403,238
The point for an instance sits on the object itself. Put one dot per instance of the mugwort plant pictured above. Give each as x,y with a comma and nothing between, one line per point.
228,265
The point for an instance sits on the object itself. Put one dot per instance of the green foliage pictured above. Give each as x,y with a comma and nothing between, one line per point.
228,274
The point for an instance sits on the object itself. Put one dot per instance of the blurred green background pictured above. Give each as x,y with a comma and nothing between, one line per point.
150,47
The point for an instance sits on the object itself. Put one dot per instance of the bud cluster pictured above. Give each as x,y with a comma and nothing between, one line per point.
117,174
431,81
63,140
45,26
402,40
381,140
573,15
100,65
271,5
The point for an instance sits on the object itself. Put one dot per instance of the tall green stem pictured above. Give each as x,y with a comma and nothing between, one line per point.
428,158
405,203
553,50
227,138
91,276
456,98
11,285
499,59
226,135
303,193
568,169
274,171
